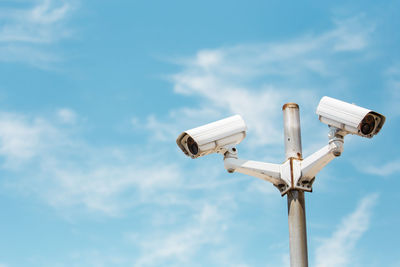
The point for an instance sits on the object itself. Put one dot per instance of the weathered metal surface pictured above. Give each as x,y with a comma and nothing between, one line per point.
297,228
295,198
291,127
290,105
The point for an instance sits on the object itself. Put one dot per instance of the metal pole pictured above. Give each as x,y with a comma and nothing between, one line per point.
295,198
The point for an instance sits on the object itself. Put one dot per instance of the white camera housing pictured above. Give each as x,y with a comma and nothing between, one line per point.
213,137
349,118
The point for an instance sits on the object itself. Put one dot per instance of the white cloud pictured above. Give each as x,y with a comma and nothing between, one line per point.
66,171
21,138
26,31
261,187
255,80
93,258
339,249
106,187
66,115
199,237
83,257
45,157
392,98
351,34
386,169
39,23
286,259
204,229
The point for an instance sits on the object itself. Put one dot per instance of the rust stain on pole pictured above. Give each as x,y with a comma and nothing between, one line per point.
290,105
295,198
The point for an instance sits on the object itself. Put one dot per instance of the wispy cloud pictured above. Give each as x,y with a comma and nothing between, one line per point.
351,34
38,23
205,230
386,169
67,115
392,75
22,139
340,248
84,258
47,157
255,80
28,30
180,246
64,170
108,188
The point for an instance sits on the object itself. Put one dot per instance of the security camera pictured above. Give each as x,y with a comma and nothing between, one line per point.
213,137
349,118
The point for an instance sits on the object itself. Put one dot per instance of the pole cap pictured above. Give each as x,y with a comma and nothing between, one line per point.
290,105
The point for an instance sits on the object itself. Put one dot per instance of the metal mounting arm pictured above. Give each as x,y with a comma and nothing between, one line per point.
266,171
314,163
294,173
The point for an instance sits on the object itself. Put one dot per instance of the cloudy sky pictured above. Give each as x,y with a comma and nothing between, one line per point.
94,93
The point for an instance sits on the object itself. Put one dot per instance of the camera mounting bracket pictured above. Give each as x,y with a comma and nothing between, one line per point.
293,174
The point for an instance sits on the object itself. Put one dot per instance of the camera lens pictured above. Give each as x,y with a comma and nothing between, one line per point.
192,145
367,124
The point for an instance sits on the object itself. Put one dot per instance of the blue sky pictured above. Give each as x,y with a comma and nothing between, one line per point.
94,93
